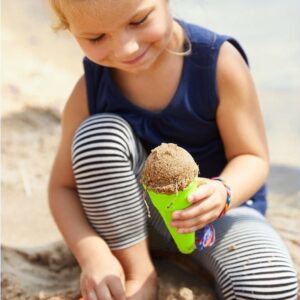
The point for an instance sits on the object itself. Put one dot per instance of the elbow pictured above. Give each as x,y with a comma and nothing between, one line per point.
54,192
265,163
262,163
57,192
51,196
266,167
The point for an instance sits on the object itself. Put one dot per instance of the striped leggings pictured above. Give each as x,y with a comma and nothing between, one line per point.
248,260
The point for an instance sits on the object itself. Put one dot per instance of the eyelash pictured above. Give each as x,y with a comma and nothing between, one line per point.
97,39
140,22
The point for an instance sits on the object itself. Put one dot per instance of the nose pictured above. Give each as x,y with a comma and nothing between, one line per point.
125,46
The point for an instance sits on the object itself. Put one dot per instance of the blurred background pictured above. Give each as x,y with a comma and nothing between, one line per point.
39,69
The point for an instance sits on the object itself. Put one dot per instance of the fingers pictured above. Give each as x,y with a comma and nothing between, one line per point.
112,288
193,224
195,210
203,210
83,289
116,288
202,192
92,291
201,197
89,294
196,216
92,295
103,292
100,293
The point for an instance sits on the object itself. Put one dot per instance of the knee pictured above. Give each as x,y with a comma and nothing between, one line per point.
264,281
100,133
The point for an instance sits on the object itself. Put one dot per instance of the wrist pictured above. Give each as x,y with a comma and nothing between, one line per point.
90,248
227,194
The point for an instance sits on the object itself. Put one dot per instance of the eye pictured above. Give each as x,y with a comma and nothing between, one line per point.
97,39
139,22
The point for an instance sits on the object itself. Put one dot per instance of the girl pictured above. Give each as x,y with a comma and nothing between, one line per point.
150,79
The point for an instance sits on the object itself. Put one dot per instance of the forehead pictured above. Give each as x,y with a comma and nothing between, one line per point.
85,15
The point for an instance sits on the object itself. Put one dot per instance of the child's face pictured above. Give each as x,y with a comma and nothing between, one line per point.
124,34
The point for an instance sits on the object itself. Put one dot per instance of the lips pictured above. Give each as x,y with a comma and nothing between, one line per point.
136,59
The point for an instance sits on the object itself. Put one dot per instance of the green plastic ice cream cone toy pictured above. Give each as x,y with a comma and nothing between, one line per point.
166,205
170,175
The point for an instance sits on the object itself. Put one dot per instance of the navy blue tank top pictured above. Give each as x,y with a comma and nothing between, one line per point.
189,120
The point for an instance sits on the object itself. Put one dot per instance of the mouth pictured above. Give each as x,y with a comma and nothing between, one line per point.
136,59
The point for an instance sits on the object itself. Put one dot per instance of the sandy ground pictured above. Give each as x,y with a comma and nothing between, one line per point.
39,70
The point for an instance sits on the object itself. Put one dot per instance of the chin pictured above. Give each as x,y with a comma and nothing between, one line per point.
153,56
140,67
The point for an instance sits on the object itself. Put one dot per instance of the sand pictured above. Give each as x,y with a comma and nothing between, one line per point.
169,169
51,272
35,83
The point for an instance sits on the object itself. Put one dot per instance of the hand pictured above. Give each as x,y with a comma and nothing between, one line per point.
207,201
102,278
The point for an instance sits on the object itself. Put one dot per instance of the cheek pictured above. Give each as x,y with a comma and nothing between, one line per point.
93,51
157,33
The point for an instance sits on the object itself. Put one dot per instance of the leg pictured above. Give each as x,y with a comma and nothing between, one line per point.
249,260
107,162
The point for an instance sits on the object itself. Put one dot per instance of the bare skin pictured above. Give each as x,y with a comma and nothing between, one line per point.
122,273
129,272
241,127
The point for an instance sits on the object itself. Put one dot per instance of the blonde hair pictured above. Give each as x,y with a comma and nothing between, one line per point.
61,20
187,47
63,24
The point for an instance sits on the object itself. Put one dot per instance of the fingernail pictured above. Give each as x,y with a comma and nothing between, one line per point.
92,295
176,215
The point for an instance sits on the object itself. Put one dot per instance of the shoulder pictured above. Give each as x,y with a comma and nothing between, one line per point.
76,108
200,37
239,116
228,55
233,74
74,113
206,41
207,44
93,75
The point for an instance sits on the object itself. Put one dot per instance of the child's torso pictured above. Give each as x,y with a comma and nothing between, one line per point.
178,107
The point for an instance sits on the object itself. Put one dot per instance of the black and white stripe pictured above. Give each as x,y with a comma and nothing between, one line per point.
248,260
107,160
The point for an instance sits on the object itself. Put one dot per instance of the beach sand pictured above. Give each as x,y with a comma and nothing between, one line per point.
39,70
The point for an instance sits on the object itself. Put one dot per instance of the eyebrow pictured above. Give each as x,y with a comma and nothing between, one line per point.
147,10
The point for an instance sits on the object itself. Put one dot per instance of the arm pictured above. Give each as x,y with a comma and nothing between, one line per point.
63,198
91,252
241,127
103,270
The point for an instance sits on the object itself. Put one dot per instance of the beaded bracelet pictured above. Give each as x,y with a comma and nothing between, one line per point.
228,199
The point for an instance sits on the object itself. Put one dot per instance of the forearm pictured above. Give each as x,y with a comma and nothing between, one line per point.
135,260
80,237
245,174
85,243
